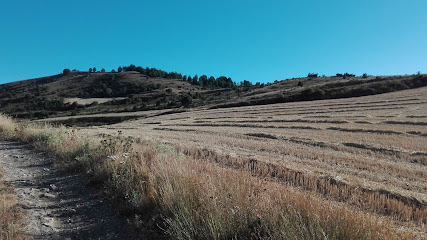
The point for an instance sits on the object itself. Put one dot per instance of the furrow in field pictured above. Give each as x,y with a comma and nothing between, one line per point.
327,107
322,157
379,201
241,126
368,152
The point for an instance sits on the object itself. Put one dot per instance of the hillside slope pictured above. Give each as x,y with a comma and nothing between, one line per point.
89,93
84,93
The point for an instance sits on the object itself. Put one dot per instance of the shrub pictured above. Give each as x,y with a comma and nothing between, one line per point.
186,100
66,72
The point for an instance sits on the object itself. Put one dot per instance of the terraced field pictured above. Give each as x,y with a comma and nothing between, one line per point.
367,153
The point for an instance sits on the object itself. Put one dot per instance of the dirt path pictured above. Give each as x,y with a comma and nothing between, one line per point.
59,206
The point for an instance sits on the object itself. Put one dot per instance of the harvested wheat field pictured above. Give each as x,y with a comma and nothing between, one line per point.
368,154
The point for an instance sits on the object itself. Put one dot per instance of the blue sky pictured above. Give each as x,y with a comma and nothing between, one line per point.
245,40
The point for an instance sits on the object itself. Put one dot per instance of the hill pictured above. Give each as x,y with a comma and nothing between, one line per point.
350,166
86,93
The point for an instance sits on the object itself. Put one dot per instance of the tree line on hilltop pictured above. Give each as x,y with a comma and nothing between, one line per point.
203,81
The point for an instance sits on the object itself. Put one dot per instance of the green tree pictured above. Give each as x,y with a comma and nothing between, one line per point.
195,80
203,80
131,68
66,71
247,84
211,82
90,70
186,100
94,69
103,70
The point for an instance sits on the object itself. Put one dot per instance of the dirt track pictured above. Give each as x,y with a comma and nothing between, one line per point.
58,205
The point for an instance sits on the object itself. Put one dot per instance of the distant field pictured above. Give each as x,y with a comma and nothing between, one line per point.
84,101
369,153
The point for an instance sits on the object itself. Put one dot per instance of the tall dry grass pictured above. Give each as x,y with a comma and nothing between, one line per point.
379,201
11,215
192,199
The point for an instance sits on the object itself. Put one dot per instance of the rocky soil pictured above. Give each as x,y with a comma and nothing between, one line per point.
59,205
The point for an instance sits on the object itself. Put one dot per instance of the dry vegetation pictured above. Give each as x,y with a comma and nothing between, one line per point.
11,223
369,153
336,169
11,216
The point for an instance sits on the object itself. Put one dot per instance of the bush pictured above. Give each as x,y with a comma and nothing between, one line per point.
66,72
310,94
186,100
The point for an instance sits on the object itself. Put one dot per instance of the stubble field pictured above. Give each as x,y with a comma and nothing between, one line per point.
368,154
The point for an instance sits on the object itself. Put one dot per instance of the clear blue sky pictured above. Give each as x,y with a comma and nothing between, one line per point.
253,40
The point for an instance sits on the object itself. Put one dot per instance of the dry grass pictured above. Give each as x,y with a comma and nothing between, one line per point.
367,153
11,223
211,203
378,201
194,199
11,215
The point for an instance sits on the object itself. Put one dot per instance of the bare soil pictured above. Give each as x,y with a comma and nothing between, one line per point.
84,101
59,205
